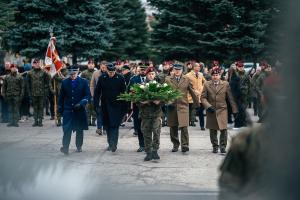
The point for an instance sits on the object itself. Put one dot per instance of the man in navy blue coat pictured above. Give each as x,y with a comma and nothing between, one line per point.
109,86
138,79
74,95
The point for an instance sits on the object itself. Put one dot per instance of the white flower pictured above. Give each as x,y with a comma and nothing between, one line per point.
154,82
142,86
147,84
165,85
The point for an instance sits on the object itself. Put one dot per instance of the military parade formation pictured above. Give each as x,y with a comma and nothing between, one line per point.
82,96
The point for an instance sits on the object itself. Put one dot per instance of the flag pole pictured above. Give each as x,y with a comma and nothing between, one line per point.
54,83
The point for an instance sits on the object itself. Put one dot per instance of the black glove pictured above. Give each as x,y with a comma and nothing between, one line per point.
211,109
77,107
235,115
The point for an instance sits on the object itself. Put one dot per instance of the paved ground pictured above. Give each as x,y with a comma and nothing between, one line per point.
32,166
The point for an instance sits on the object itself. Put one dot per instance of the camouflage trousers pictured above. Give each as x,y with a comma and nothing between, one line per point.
214,138
38,107
91,114
151,128
13,108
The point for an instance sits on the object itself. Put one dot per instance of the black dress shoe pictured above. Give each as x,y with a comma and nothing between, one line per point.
223,150
202,129
148,157
79,150
184,149
135,133
215,150
155,155
175,149
141,149
113,149
64,151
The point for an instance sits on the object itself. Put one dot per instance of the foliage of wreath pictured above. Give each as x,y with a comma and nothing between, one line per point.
151,91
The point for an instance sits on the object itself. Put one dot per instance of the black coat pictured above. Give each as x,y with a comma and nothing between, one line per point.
74,120
105,96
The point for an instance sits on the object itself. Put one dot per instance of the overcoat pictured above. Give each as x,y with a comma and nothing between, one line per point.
74,120
216,97
106,97
178,112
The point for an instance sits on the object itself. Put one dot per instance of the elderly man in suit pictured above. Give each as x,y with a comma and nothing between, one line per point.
178,112
213,98
73,97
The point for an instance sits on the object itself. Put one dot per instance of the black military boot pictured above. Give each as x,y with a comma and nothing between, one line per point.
155,155
93,122
64,150
58,122
40,123
148,157
35,124
215,150
223,150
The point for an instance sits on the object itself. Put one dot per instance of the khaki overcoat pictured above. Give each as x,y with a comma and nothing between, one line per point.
216,97
178,112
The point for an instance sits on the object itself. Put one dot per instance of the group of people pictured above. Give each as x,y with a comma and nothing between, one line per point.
90,98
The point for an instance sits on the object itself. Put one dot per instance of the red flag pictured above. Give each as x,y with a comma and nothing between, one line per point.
52,58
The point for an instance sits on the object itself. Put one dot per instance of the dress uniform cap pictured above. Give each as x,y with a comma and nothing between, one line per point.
240,63
13,65
73,69
178,66
125,67
36,60
111,67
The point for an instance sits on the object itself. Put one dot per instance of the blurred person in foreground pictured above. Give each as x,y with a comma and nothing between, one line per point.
73,98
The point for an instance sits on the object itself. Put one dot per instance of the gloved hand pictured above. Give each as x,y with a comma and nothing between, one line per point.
211,109
77,107
235,115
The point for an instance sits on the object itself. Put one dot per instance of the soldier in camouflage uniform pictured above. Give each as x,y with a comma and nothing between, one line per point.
241,86
87,75
13,92
38,87
57,80
266,71
150,114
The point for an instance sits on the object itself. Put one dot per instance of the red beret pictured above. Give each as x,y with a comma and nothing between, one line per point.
12,65
263,63
150,69
216,70
215,62
239,63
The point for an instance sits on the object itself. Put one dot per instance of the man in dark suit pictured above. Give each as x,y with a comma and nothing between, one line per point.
74,95
109,86
138,79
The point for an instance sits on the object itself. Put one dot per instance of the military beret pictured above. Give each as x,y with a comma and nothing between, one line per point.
150,69
13,65
36,60
216,70
178,66
125,67
239,63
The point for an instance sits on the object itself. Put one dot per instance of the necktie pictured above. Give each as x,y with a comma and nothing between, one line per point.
178,79
196,75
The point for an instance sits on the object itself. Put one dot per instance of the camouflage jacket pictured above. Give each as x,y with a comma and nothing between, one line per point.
13,85
87,75
38,83
149,110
